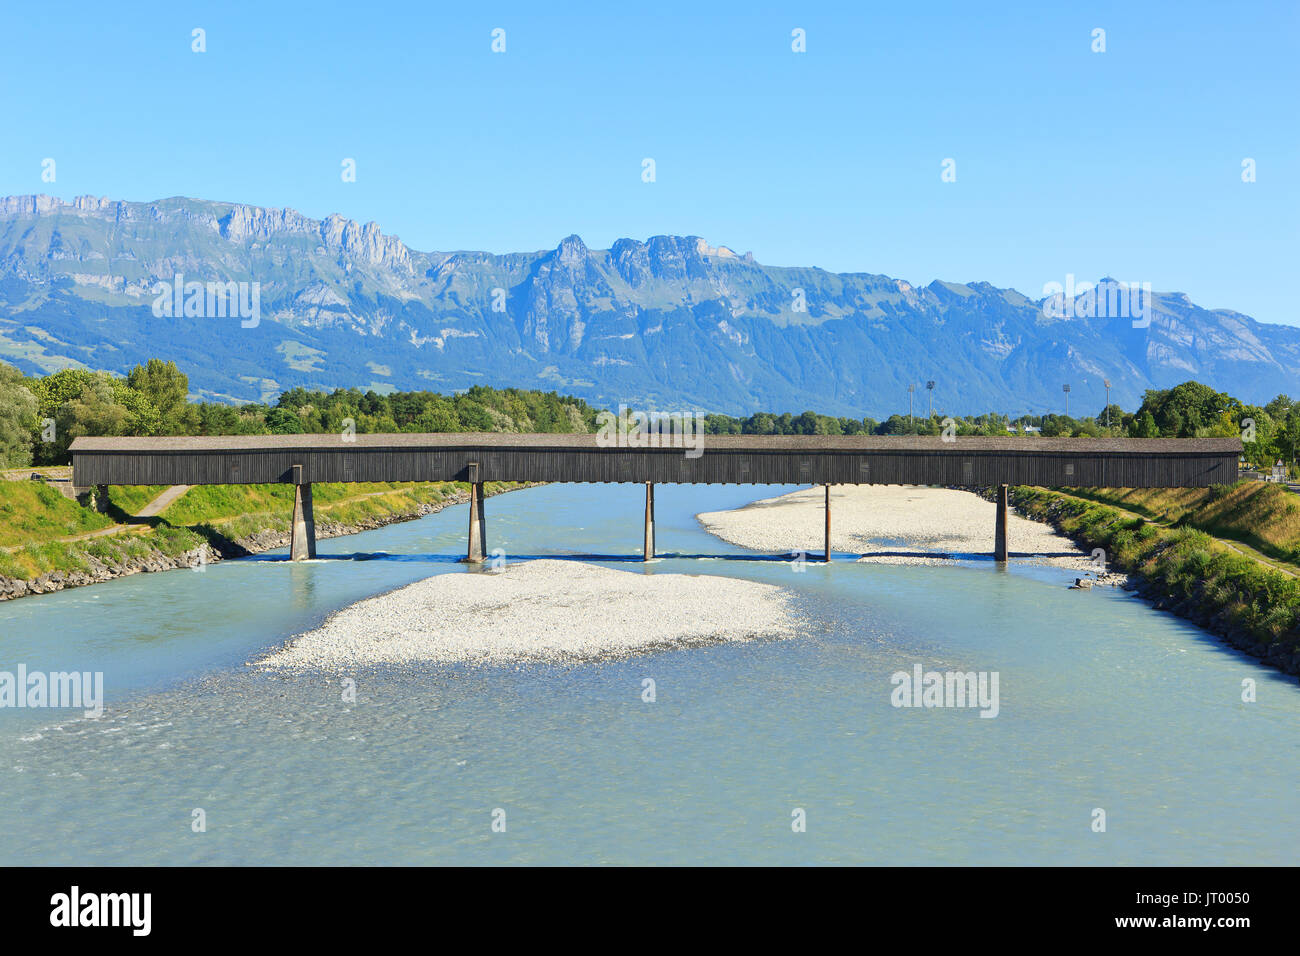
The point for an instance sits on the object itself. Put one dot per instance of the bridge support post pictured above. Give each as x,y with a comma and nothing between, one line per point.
1000,534
649,551
477,523
303,533
828,523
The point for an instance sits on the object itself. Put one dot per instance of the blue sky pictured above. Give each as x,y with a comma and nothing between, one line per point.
1126,162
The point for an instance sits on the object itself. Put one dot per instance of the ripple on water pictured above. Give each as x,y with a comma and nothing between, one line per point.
1104,703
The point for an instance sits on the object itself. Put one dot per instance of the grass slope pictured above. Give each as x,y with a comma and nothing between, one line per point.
1263,516
32,511
34,518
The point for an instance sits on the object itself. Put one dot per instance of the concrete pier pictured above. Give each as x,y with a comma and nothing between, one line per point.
649,551
303,540
477,524
828,523
1000,534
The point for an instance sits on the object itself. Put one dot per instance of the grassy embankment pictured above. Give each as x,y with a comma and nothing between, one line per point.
36,521
1264,518
1225,557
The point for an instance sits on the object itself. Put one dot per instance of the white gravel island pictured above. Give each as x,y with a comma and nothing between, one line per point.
545,610
888,524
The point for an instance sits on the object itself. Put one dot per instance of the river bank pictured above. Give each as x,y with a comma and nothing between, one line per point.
1186,571
165,547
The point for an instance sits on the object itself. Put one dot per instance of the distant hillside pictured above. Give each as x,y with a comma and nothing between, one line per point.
665,324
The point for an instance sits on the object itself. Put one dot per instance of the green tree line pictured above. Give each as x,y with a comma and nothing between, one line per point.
1270,432
40,415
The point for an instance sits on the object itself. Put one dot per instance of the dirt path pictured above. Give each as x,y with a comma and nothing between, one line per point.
86,535
49,472
162,501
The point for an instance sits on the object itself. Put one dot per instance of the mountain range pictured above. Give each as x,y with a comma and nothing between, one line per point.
668,324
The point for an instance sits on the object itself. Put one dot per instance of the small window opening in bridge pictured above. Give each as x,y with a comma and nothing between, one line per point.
805,468
234,468
349,468
864,468
744,466
968,471
1069,469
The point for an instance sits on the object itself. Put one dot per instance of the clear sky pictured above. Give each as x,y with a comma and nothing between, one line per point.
1127,162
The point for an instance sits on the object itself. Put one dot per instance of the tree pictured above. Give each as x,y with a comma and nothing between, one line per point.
1058,426
1281,407
894,425
1182,411
217,419
1288,435
439,418
18,408
62,386
1117,416
163,384
1144,425
95,411
1261,448
715,424
281,421
805,424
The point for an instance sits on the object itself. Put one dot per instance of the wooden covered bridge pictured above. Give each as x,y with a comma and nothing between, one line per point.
476,458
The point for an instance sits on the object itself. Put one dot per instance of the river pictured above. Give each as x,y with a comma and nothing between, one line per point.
1104,704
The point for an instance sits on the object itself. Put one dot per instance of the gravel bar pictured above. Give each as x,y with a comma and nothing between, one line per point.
543,610
889,524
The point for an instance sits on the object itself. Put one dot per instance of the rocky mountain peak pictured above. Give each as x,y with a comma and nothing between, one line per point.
364,243
572,250
340,298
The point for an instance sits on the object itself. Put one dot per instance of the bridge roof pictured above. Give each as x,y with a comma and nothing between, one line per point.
217,444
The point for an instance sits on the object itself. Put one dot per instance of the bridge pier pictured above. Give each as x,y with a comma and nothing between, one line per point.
1000,533
303,531
828,523
477,524
649,551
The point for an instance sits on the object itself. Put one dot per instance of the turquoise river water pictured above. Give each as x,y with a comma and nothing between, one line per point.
1104,703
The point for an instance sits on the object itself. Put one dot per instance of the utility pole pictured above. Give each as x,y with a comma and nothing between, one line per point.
911,389
929,387
1066,389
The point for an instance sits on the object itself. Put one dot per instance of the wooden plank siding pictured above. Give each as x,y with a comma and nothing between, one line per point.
729,459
